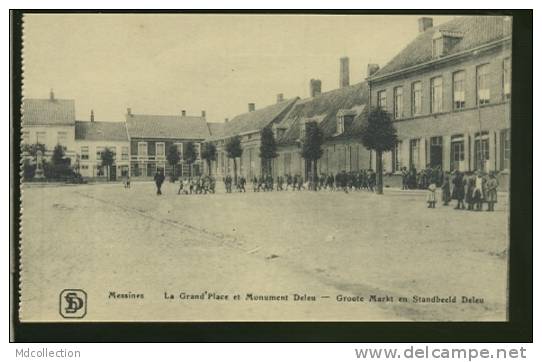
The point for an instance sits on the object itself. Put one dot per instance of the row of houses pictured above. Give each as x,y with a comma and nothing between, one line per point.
448,91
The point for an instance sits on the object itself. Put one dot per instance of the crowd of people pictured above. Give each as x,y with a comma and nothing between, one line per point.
470,189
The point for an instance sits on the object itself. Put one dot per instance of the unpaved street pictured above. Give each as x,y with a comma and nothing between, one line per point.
104,238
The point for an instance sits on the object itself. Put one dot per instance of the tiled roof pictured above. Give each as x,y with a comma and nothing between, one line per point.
216,128
175,127
474,30
100,131
256,120
324,109
48,112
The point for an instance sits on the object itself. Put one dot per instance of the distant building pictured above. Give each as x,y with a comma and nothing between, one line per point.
92,138
449,92
152,135
248,126
339,114
50,122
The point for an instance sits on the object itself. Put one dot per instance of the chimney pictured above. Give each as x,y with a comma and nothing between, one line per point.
344,80
280,97
92,115
424,24
203,114
129,112
372,69
183,113
51,95
315,87
226,120
251,107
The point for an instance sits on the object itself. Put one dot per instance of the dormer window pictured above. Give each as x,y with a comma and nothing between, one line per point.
345,117
302,129
438,47
340,125
444,41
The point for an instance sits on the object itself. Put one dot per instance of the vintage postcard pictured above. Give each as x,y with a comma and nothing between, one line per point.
265,167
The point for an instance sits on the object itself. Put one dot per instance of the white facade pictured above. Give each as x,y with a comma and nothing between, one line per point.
50,136
89,160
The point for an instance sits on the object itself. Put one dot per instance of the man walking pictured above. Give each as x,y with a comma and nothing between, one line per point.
159,180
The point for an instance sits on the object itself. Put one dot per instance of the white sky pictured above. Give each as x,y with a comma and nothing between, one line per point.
161,64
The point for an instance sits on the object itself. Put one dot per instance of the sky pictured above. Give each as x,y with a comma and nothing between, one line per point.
165,63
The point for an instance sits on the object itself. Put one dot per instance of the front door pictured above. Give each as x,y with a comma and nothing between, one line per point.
435,152
113,173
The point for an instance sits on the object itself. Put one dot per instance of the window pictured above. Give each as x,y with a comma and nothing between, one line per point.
507,78
142,149
99,151
84,152
124,154
340,125
505,149
160,149
41,137
113,150
302,128
179,146
84,167
416,98
436,95
396,156
482,84
459,89
438,47
198,150
62,138
381,99
415,153
398,102
481,151
457,154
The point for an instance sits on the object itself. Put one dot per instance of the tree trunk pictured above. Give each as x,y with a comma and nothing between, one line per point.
379,186
209,167
314,171
235,171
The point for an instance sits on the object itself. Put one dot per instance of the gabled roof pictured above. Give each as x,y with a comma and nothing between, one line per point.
174,127
216,129
100,131
474,31
324,109
48,112
255,121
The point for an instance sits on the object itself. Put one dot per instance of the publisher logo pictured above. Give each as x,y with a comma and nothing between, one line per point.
73,303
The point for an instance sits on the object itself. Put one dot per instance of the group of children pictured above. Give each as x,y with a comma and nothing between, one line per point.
197,185
470,188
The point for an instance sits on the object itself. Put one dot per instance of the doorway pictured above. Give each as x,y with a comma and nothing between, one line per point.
435,152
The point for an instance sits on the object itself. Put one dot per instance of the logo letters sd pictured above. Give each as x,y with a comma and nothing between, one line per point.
73,303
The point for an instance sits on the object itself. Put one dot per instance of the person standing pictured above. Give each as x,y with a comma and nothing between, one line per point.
446,190
159,180
491,191
458,192
431,195
479,190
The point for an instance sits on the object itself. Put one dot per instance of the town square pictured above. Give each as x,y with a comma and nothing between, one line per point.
212,171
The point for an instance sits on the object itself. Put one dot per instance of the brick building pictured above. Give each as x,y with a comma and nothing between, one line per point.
338,113
92,138
449,92
248,126
151,135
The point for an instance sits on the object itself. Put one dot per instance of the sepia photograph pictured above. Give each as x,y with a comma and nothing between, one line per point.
227,167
